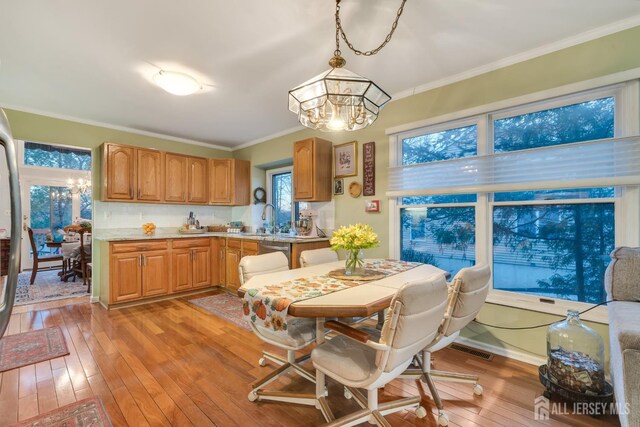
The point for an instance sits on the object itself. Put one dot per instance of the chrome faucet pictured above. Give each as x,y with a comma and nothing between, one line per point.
272,227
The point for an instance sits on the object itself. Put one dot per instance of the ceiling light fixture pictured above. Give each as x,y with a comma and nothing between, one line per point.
176,83
339,99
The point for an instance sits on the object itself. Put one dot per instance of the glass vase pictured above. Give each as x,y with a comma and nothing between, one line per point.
353,265
575,356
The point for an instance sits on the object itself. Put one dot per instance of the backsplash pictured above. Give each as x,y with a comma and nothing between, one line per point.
131,215
251,215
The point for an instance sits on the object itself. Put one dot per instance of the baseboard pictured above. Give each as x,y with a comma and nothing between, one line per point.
94,299
500,351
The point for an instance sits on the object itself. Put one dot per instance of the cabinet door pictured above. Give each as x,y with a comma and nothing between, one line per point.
222,265
155,273
303,173
175,182
220,181
125,277
149,175
181,272
201,265
232,260
198,180
119,164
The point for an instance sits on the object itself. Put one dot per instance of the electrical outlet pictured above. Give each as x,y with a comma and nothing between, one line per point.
7,212
141,215
107,215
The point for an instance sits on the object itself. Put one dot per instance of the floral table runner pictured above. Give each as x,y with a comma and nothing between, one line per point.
268,306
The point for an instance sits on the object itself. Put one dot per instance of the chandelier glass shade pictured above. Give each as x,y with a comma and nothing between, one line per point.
79,186
337,99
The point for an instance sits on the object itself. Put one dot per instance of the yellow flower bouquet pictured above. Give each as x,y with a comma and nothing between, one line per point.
354,238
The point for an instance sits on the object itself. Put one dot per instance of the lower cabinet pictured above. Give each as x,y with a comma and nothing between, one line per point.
235,251
143,269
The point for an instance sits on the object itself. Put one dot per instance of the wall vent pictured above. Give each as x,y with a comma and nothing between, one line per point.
484,355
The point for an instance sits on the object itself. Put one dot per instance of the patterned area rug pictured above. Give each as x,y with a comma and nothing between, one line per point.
226,306
31,347
47,287
85,413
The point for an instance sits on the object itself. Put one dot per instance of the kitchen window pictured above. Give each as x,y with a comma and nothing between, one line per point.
509,188
280,195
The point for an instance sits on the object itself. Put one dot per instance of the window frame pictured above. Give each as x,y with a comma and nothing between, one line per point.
626,199
269,178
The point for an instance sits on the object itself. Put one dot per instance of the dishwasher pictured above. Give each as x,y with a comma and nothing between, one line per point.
268,246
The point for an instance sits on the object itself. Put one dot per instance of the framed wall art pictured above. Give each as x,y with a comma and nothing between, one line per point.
338,186
372,206
369,169
345,159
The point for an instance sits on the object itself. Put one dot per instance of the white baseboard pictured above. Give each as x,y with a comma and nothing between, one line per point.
500,351
94,299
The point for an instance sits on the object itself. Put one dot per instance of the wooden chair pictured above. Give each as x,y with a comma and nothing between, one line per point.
80,266
37,259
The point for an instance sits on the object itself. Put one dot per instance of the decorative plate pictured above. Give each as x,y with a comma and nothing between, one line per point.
366,276
355,189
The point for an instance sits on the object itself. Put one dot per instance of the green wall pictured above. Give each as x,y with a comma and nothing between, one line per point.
600,57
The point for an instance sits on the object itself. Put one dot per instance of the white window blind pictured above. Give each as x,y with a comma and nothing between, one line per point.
602,163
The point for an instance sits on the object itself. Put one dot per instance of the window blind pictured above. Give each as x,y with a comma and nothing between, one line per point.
602,163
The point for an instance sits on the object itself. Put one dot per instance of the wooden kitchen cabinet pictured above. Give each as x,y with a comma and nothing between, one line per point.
229,182
232,261
149,175
175,178
126,279
190,264
198,180
118,172
155,273
312,170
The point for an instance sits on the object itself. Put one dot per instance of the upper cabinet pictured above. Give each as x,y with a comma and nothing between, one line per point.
141,175
175,178
197,180
229,182
312,170
118,172
149,180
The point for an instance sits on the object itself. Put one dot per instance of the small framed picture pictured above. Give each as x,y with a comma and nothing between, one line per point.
338,186
345,159
372,206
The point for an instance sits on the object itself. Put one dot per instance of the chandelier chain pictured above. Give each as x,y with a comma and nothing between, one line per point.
340,32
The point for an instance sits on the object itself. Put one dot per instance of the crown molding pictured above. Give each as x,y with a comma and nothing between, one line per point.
268,137
577,39
115,127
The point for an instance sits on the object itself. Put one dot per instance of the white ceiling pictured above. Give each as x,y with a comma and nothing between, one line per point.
90,60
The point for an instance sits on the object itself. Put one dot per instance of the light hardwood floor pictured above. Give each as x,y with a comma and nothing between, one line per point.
171,363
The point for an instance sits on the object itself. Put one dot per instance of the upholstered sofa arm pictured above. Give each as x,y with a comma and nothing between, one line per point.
622,278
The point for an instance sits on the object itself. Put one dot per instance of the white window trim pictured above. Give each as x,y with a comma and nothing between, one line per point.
627,200
270,174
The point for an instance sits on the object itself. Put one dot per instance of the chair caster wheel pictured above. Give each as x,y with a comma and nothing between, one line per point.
347,394
252,396
477,390
262,361
443,419
421,412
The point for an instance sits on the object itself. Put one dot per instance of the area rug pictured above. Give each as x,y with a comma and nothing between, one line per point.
85,413
47,287
225,306
31,347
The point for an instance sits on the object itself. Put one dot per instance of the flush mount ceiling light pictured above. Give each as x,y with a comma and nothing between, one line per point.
176,83
339,99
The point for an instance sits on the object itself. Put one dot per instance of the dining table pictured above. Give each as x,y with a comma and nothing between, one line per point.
365,299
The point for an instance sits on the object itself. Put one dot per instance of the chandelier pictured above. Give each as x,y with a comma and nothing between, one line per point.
79,186
339,99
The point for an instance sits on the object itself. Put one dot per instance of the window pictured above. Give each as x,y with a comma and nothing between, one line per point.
542,240
53,156
280,195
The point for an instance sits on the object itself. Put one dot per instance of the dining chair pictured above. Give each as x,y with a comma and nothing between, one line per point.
37,258
84,256
467,294
356,361
300,334
317,256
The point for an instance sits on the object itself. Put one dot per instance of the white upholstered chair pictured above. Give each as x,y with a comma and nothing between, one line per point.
467,294
356,361
317,256
300,333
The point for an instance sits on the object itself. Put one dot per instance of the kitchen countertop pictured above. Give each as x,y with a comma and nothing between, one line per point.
118,235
